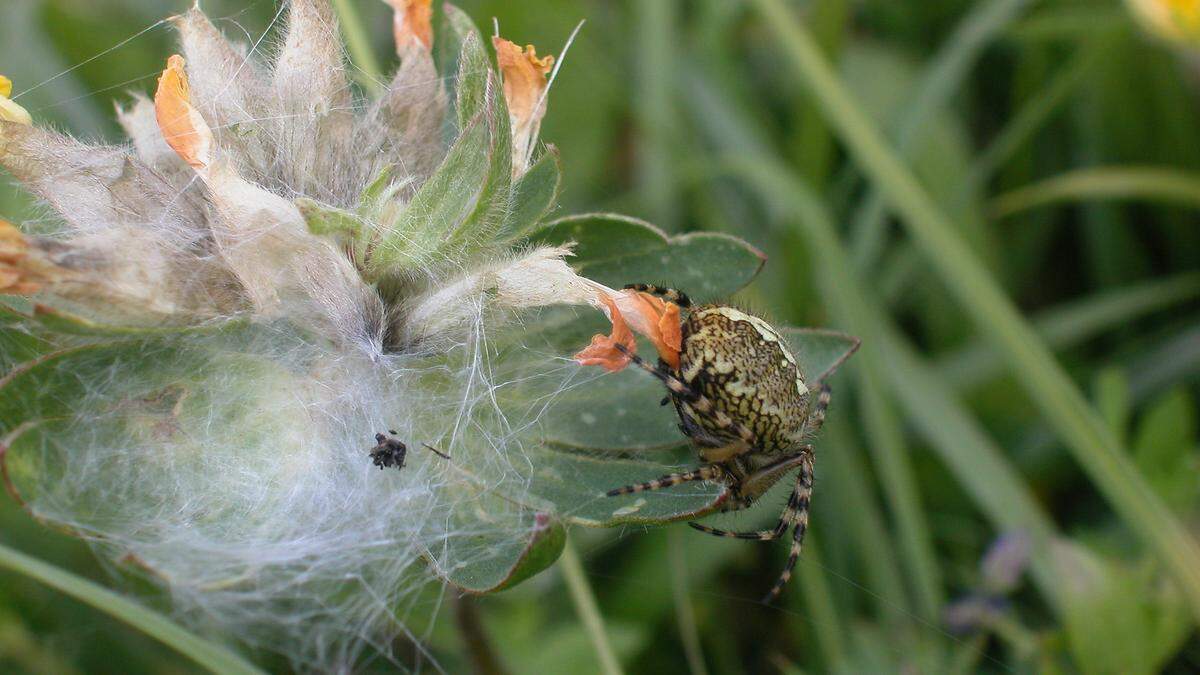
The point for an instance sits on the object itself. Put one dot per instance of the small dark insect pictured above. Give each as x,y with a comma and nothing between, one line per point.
390,451
744,402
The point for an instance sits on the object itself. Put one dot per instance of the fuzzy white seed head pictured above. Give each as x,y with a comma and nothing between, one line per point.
245,342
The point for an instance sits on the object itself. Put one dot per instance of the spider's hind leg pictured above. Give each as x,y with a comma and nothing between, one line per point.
709,472
669,294
760,481
801,496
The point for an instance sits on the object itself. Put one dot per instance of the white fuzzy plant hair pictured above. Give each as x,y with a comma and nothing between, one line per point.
273,270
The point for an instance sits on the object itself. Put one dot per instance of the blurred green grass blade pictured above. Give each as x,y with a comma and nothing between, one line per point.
685,611
812,144
942,79
826,623
860,517
1107,464
585,607
1156,184
733,134
656,22
903,261
973,458
1073,323
358,41
1071,22
1034,114
214,657
890,454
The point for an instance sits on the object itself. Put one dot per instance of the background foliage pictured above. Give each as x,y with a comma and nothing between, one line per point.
1054,147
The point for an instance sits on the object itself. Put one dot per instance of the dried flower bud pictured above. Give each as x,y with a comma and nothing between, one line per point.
10,110
412,24
182,126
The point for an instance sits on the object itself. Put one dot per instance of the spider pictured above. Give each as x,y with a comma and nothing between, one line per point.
390,451
743,401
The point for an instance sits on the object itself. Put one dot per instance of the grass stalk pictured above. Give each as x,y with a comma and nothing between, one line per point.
359,44
971,456
1169,186
208,655
587,610
942,79
1076,423
685,611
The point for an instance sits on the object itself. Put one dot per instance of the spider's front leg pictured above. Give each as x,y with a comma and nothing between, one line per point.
669,294
816,416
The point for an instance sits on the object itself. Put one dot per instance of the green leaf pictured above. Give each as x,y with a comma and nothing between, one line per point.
17,343
464,202
617,250
534,196
1118,620
455,30
508,561
1164,449
820,352
328,221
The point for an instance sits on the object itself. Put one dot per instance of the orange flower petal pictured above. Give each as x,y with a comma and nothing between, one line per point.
182,126
650,316
603,350
659,321
670,329
412,24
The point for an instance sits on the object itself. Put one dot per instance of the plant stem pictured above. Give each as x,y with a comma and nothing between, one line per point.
211,656
585,607
359,44
474,635
1169,186
685,613
941,80
1081,429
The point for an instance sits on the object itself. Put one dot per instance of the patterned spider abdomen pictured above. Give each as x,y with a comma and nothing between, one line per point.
746,369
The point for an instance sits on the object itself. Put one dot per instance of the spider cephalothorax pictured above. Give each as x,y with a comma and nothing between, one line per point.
744,401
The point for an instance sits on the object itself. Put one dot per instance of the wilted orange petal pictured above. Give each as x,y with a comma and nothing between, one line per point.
524,78
182,125
603,350
525,86
412,23
658,320
670,341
